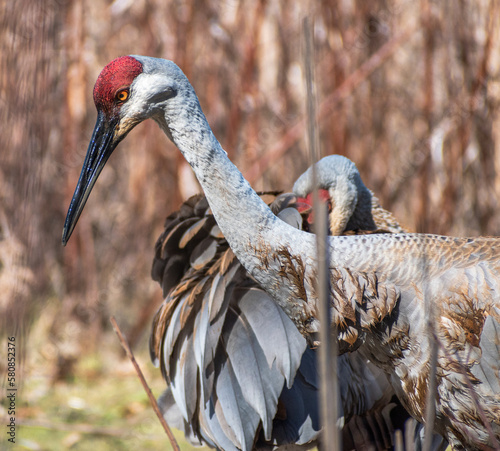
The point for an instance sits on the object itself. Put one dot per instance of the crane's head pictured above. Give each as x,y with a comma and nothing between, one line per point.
339,184
129,90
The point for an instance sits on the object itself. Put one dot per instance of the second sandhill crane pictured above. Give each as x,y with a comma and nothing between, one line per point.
352,205
383,285
237,345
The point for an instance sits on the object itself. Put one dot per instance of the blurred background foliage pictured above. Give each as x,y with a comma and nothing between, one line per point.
409,90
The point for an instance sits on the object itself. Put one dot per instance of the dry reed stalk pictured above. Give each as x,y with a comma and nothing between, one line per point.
331,437
430,317
148,391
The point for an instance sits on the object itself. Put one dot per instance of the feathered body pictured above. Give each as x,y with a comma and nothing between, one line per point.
235,362
211,339
381,283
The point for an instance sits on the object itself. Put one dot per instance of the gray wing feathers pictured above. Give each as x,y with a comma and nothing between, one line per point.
273,326
261,383
175,418
301,404
233,409
184,385
363,386
248,383
240,373
225,377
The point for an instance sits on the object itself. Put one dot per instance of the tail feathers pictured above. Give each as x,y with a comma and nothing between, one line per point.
297,419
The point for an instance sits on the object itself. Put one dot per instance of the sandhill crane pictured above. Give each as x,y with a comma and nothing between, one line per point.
353,205
246,348
383,285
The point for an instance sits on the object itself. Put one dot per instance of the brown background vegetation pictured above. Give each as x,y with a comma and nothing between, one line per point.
409,90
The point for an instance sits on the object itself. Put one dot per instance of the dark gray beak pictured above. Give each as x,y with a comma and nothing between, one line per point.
100,149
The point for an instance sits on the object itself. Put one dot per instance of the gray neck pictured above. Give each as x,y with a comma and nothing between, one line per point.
245,220
257,237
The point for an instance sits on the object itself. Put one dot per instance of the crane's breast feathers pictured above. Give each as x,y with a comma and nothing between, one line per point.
359,301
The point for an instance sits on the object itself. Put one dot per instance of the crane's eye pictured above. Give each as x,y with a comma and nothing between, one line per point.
122,95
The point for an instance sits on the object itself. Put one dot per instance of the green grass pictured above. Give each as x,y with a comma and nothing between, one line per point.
103,406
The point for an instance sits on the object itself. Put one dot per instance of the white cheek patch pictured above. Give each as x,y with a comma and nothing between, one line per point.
146,92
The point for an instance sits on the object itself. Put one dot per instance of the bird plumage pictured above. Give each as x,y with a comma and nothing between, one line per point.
381,283
353,205
273,372
211,339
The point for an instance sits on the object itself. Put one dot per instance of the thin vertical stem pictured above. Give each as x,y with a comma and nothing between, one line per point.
430,411
328,347
152,399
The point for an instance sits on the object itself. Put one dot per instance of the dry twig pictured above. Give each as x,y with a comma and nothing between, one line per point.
126,347
328,348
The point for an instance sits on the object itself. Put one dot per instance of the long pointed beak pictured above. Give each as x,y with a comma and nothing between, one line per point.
100,148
